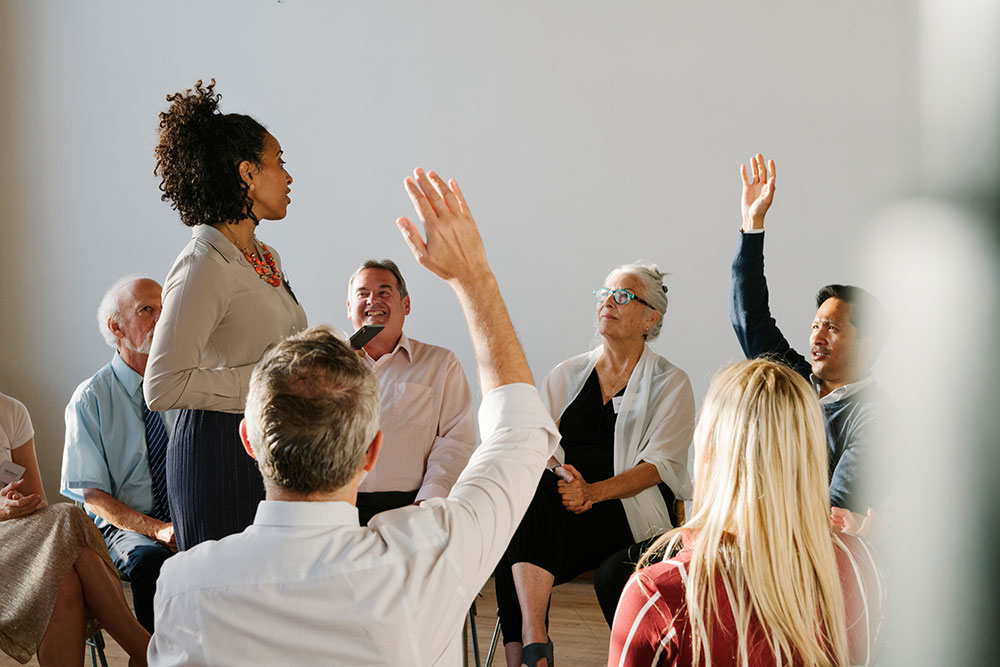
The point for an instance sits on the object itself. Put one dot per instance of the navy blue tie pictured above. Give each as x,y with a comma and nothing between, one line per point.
156,448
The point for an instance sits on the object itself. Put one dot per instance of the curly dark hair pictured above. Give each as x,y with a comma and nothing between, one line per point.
198,156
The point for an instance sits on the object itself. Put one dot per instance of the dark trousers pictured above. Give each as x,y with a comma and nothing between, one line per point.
373,502
612,575
560,542
139,559
213,485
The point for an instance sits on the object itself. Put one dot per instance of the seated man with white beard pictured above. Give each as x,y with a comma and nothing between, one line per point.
115,450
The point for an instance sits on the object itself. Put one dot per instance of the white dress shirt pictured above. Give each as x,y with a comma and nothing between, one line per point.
655,424
305,585
428,432
842,392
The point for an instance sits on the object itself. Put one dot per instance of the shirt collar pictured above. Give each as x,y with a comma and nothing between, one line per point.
217,240
286,513
403,344
840,393
128,378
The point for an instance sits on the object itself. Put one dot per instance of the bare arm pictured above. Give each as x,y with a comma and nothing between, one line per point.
122,516
454,252
25,456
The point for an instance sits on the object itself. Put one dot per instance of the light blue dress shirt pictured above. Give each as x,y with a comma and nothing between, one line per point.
106,439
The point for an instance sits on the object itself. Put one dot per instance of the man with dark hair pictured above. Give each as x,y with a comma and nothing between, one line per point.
305,584
845,341
115,451
428,432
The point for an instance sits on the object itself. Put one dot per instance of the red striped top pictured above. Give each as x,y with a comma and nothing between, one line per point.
651,624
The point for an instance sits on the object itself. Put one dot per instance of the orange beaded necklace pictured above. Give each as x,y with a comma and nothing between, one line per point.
265,267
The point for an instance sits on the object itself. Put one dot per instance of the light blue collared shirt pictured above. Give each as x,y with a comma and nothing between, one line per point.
106,439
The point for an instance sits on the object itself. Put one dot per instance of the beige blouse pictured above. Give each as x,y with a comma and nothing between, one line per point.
218,319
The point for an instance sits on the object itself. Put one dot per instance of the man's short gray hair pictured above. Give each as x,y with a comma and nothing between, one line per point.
111,307
653,290
385,265
312,411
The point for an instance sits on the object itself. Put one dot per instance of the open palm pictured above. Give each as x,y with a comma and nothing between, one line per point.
758,191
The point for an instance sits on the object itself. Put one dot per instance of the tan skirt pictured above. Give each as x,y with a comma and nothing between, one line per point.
36,553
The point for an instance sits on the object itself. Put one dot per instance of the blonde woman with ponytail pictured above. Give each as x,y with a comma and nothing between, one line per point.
756,576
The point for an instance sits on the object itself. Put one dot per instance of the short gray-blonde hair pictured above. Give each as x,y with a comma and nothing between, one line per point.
653,290
312,411
384,265
111,307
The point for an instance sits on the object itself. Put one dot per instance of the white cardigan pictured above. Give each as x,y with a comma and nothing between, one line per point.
655,423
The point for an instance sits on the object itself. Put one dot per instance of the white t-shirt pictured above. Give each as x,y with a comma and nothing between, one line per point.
15,426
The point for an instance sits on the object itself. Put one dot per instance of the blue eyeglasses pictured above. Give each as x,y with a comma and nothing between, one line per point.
621,296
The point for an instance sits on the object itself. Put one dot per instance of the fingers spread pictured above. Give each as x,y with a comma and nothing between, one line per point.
412,238
419,199
770,171
458,195
449,197
430,192
743,174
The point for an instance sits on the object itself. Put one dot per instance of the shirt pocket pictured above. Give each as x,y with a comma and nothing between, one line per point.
411,404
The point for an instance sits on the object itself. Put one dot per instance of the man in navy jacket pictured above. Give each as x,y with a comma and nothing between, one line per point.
844,342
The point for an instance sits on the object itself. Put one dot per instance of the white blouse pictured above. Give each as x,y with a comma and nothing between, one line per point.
654,425
15,426
218,319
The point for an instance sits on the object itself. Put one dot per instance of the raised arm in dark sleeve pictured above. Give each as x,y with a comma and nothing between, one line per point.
749,312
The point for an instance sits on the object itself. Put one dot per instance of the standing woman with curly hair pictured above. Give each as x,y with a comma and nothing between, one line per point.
225,301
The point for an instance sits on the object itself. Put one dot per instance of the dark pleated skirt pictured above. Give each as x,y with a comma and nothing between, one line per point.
212,483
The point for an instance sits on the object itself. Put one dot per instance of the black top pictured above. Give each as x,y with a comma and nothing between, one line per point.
587,427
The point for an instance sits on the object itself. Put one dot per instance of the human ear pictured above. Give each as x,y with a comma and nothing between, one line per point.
115,329
406,305
244,440
653,318
246,173
373,451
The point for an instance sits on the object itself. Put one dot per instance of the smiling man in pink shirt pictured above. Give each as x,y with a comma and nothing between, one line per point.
427,418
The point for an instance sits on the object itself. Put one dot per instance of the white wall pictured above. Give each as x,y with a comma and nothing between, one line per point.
585,135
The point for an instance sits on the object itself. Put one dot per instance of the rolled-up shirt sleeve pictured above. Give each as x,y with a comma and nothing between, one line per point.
669,435
491,495
84,464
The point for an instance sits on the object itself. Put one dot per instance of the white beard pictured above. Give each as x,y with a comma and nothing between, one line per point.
147,344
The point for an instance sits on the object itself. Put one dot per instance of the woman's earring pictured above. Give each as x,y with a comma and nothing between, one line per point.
251,187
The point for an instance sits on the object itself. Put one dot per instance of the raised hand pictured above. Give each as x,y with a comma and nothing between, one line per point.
453,249
758,192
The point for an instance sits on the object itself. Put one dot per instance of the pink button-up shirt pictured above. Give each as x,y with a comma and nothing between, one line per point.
427,421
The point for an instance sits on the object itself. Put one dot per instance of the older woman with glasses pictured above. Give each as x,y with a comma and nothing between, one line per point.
626,416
